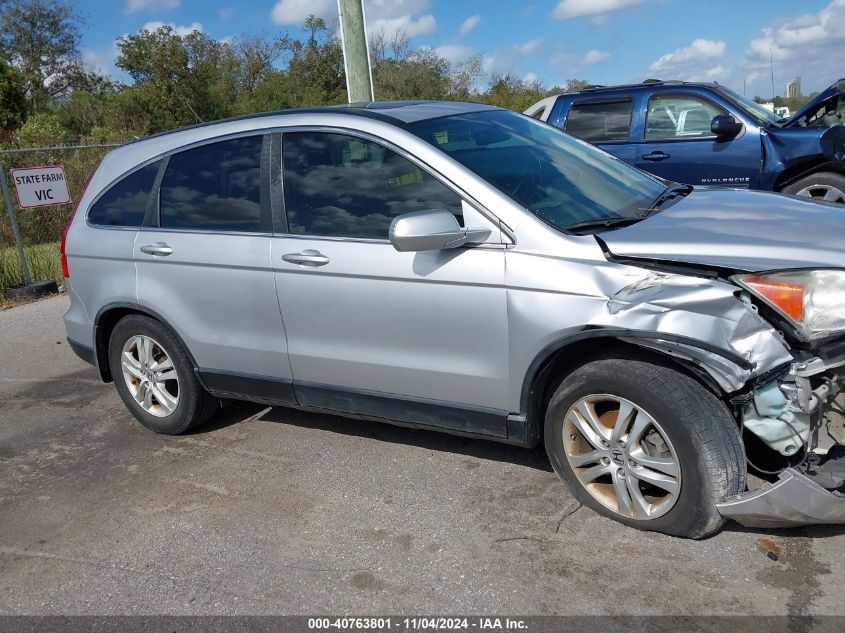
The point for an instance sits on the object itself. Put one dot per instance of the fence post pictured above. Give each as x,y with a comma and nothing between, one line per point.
14,222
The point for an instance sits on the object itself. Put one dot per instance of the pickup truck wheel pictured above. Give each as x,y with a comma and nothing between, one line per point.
646,445
823,186
154,377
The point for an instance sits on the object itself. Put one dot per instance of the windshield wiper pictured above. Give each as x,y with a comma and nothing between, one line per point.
671,192
601,223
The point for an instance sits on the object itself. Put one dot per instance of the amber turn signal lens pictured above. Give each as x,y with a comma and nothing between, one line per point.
788,296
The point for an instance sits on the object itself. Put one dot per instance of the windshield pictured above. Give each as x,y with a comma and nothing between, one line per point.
560,179
754,109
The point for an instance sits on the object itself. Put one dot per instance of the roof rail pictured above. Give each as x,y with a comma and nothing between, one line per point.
645,82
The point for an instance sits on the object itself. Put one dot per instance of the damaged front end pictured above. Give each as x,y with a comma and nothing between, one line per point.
796,414
781,391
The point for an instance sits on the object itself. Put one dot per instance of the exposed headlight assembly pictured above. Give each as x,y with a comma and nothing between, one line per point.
812,300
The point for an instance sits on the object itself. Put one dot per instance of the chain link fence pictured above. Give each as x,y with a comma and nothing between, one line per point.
41,227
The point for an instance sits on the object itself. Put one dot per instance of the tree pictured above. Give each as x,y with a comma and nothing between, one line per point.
400,72
41,38
12,98
463,77
181,79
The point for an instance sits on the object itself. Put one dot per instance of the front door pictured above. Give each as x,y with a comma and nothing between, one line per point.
678,144
414,337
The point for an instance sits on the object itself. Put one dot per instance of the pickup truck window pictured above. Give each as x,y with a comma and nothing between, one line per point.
753,109
600,121
679,117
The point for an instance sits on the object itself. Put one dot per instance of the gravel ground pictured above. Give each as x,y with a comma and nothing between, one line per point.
274,511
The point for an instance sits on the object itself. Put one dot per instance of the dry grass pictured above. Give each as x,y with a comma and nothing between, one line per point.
44,263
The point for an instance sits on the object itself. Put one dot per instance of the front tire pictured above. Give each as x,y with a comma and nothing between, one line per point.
645,445
823,186
154,377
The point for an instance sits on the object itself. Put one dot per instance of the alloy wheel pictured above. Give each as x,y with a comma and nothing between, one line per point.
621,456
826,193
150,375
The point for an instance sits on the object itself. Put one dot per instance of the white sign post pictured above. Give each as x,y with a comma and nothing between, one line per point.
40,186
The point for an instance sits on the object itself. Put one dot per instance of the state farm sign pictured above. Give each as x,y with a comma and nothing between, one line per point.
40,186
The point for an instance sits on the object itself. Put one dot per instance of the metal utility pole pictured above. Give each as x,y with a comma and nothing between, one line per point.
772,68
356,50
10,209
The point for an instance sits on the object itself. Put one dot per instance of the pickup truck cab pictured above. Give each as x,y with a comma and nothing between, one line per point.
707,134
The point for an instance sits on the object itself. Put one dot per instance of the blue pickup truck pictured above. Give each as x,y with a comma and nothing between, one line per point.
707,134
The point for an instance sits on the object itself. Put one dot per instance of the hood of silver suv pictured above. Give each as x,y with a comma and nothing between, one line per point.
743,230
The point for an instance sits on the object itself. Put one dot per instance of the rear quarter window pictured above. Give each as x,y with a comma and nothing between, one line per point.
125,202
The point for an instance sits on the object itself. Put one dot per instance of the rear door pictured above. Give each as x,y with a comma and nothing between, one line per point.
416,337
605,122
203,264
678,144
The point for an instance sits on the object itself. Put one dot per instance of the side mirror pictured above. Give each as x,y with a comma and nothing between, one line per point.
431,231
725,126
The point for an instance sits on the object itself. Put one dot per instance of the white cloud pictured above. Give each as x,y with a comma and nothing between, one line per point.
531,46
225,14
684,62
596,56
470,23
453,52
530,78
133,6
388,16
412,27
295,11
811,45
186,29
102,60
568,9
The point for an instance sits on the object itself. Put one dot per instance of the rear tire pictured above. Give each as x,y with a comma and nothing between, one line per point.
823,186
664,467
155,378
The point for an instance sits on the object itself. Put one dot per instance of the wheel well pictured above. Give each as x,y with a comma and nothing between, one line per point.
104,326
566,360
796,172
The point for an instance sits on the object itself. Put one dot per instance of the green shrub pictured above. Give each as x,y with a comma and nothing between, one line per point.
44,263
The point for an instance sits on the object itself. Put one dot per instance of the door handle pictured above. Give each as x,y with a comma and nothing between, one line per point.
159,249
307,257
655,156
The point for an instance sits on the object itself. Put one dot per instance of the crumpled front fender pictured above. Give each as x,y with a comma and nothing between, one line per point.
785,148
726,337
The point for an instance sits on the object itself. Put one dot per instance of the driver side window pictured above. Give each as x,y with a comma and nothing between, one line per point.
679,117
345,186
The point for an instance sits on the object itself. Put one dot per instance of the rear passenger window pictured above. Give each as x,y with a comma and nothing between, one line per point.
214,187
600,121
341,185
125,202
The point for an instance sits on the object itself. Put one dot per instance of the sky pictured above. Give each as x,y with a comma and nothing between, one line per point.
602,41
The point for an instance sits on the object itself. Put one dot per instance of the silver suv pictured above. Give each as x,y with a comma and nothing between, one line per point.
468,269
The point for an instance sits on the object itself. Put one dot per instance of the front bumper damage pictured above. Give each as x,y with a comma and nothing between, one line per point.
793,500
814,491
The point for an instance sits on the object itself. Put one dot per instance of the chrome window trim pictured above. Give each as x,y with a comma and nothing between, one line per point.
491,217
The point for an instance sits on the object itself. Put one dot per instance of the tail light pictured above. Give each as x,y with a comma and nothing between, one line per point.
65,271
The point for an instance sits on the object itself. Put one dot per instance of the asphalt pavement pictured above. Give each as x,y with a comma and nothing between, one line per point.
275,511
